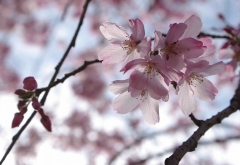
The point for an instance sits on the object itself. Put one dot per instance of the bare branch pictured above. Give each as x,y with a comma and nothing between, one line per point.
57,68
140,139
192,142
67,75
196,121
214,141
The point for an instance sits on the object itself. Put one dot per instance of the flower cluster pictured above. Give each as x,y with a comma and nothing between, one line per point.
28,95
231,50
177,58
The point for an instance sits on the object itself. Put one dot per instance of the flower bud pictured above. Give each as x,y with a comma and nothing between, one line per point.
18,117
36,105
46,123
29,83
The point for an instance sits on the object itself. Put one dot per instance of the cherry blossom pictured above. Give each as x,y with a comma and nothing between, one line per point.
234,55
124,47
194,83
172,49
128,101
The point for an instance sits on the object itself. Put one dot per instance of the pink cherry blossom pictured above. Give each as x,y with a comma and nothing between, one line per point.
173,49
128,101
124,47
193,84
154,67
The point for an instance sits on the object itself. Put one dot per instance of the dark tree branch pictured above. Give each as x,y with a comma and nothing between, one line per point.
196,121
213,36
140,139
67,75
57,68
214,141
201,34
192,142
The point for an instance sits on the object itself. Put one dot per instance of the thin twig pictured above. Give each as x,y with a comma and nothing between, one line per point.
196,121
57,68
140,139
218,140
67,75
213,36
192,142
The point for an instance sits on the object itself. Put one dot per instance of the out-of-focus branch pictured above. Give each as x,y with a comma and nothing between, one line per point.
213,36
139,140
201,34
66,9
57,68
67,75
214,141
192,142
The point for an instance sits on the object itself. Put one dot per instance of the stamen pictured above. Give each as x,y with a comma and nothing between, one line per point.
193,78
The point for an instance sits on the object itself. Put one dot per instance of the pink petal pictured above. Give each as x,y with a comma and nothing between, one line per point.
186,99
156,85
175,32
124,103
112,54
226,53
119,86
191,48
150,110
134,55
176,62
194,25
133,64
144,47
159,40
204,90
137,29
113,32
212,69
137,80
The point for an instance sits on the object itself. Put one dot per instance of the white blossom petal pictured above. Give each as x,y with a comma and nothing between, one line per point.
150,110
124,103
186,99
113,32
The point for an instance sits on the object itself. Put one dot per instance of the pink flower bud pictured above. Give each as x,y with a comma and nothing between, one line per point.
29,83
18,117
46,123
36,105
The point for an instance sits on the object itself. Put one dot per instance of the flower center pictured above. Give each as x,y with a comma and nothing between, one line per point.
170,50
193,79
129,45
150,69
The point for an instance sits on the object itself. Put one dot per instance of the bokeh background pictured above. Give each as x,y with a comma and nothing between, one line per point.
34,35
